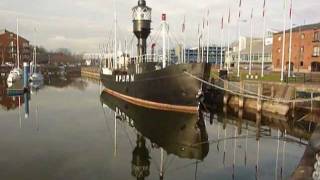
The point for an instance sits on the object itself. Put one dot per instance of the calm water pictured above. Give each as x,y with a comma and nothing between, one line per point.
76,132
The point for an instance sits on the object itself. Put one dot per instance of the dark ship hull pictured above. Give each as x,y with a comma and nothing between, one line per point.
181,134
170,85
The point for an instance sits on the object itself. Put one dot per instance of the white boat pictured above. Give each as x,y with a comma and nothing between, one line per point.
14,76
36,77
16,73
35,86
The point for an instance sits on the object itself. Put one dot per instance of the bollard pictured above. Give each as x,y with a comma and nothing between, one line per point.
272,91
294,103
26,75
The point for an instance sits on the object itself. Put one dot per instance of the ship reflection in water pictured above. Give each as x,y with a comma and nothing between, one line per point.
77,131
236,139
180,134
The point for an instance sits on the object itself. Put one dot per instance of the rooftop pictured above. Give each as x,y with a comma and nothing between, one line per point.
303,28
3,31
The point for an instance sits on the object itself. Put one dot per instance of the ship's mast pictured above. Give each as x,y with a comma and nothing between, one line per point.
164,32
141,15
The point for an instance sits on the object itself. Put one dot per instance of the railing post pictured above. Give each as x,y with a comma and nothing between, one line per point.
259,102
312,96
226,94
241,98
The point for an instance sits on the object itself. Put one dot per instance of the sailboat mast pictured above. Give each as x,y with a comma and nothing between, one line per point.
18,53
35,59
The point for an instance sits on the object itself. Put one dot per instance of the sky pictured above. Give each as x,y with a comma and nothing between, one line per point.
84,25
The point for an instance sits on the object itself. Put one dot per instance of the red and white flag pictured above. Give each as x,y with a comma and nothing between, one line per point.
264,8
199,33
290,13
229,17
184,24
222,22
208,13
203,22
240,3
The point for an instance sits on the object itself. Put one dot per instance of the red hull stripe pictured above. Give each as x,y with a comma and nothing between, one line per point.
153,105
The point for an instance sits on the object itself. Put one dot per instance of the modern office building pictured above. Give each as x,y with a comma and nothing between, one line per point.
256,51
214,54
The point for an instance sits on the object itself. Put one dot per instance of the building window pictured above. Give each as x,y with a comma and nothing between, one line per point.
316,51
317,36
279,50
278,62
301,63
302,36
302,49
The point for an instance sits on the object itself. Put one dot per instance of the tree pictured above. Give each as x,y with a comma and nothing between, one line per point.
64,51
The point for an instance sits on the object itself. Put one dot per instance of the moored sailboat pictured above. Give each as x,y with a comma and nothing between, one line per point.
16,73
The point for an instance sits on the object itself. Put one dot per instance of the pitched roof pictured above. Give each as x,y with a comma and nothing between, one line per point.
3,31
302,28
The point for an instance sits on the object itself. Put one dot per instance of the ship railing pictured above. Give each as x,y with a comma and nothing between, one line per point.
146,58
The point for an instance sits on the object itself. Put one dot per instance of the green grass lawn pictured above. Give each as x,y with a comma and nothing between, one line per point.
269,76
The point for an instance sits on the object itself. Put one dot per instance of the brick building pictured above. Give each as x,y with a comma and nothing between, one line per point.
8,48
305,49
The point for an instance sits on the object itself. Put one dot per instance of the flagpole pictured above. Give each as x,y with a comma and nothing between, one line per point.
184,48
228,39
115,59
168,45
221,44
202,43
264,39
184,40
239,50
283,40
290,41
164,33
251,34
199,43
208,36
